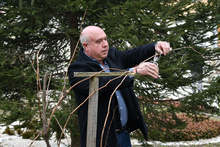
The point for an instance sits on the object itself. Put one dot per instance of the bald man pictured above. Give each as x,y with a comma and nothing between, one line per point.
124,112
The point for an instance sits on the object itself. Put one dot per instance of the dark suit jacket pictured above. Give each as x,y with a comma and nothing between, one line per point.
115,59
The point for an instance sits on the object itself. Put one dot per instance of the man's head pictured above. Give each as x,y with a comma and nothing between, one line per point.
94,42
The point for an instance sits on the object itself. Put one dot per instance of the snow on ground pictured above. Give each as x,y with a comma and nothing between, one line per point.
17,141
187,143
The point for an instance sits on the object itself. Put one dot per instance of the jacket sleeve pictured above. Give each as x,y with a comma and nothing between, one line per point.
133,57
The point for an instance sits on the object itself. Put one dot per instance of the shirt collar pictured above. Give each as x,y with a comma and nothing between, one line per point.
104,61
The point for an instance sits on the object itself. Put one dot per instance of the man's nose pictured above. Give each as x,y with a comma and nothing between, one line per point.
105,43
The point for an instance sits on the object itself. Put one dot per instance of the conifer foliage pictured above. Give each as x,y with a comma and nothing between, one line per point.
43,35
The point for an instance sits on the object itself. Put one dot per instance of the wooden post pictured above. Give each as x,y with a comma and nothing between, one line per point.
92,112
93,101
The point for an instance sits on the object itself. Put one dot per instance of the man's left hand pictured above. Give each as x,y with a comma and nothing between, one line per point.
163,47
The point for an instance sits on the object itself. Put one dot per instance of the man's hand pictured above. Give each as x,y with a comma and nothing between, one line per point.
148,68
151,69
163,47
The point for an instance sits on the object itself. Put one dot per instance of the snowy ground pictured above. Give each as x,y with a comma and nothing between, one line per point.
187,143
17,141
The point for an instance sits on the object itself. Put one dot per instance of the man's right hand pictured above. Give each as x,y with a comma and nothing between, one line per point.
148,68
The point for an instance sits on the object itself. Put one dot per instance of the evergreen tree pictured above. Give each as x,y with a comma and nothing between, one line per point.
45,32
191,28
51,30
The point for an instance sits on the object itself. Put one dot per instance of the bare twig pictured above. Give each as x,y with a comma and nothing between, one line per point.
44,114
38,71
60,128
109,104
32,65
43,117
35,138
64,91
63,95
185,47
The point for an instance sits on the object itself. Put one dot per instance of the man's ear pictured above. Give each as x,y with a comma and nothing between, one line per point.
85,44
85,47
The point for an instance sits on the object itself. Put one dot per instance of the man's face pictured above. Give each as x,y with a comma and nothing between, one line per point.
97,46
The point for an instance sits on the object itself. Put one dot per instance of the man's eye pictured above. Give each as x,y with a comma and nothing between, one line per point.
98,41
